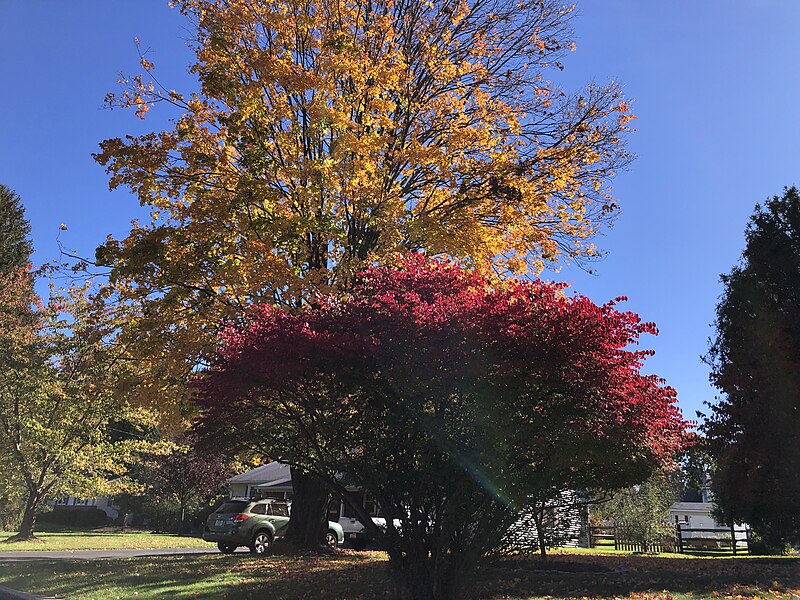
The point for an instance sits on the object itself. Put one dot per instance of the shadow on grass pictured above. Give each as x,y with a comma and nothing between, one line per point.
365,576
603,576
238,576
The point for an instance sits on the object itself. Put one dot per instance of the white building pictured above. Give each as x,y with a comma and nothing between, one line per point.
103,503
699,529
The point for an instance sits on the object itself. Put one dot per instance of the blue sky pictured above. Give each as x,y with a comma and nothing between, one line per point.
715,86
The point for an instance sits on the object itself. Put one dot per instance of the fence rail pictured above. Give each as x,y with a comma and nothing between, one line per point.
685,540
697,539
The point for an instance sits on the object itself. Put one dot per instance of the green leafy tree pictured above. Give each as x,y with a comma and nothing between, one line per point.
754,430
15,244
642,511
693,476
57,375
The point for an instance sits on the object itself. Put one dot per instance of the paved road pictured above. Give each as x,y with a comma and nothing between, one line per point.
98,554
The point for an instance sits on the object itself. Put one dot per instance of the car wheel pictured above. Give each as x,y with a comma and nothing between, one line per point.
331,539
261,543
226,548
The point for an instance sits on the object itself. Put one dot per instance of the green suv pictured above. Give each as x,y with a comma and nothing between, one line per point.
255,524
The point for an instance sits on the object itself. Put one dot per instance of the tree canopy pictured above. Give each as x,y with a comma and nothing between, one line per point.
330,134
57,379
451,401
754,430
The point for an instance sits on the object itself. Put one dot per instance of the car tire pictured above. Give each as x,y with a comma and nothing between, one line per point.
262,541
226,548
331,539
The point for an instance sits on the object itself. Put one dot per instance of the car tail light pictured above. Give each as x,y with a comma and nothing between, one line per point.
240,517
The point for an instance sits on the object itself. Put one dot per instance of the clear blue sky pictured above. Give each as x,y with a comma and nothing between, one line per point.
715,86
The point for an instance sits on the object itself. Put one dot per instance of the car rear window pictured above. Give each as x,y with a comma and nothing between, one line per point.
234,506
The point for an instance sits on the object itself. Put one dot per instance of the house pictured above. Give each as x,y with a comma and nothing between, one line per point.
694,520
693,515
273,480
103,503
693,510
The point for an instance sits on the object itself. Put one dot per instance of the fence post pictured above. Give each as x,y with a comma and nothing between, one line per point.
733,539
679,537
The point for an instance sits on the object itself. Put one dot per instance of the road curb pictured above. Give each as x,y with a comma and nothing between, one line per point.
6,593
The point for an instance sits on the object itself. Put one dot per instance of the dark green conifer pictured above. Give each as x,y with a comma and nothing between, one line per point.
754,431
15,244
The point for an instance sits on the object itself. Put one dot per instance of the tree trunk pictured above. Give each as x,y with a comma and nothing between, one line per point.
182,521
538,519
308,521
28,519
417,577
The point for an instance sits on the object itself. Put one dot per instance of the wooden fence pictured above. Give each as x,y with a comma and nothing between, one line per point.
686,540
709,540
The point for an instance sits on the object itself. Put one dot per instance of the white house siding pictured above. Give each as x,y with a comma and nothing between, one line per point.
103,503
568,517
693,515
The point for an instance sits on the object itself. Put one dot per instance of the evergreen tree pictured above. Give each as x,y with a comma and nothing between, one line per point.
15,245
754,431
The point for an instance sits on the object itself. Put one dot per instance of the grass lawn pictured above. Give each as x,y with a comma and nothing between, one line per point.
354,575
101,540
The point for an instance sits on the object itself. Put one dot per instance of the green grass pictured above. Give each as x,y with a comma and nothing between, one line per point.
353,576
101,540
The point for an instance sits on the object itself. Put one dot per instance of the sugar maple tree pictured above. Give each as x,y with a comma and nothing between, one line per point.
328,135
451,401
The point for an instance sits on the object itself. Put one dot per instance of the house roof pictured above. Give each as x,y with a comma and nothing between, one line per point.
693,507
268,475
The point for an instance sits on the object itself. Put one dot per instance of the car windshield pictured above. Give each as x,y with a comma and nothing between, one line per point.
235,506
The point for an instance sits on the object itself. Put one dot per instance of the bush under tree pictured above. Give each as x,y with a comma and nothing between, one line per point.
450,400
